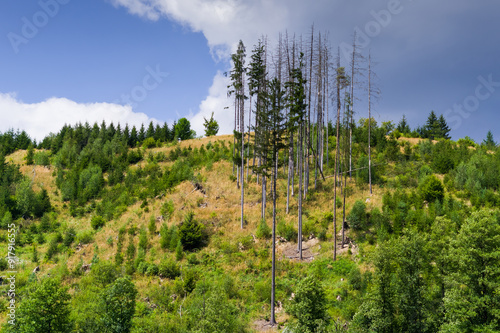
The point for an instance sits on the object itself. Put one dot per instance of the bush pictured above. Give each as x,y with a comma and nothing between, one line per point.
432,189
149,143
192,233
287,231
97,222
193,259
134,156
169,269
69,236
263,231
308,307
3,264
85,237
357,217
42,158
167,209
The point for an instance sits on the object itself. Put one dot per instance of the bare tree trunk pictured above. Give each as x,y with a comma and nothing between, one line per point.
369,124
337,152
308,127
242,163
325,109
353,71
299,240
273,284
249,129
263,203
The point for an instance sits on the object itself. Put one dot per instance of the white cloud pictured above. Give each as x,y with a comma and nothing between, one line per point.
218,103
40,119
223,22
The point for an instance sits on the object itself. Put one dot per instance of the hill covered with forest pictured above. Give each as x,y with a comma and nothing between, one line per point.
108,233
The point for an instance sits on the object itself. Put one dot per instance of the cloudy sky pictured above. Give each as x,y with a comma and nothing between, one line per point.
133,61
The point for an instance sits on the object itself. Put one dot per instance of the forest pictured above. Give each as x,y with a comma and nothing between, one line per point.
311,217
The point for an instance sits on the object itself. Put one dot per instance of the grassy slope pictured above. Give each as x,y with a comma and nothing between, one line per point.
220,210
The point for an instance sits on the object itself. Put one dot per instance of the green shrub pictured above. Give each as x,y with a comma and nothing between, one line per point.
286,231
97,222
152,225
143,240
178,251
85,237
432,189
69,236
308,307
263,230
357,217
42,158
3,264
152,270
149,143
134,156
169,269
193,259
167,209
355,279
192,233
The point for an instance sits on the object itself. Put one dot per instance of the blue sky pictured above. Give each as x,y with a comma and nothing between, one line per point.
140,60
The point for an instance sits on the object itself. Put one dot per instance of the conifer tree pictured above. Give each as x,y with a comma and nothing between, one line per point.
444,130
29,155
489,142
271,134
142,134
432,128
403,126
150,133
238,89
297,106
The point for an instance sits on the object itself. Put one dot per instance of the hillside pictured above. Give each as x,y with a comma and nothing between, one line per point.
131,225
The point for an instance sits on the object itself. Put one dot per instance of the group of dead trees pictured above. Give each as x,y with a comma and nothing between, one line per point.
291,90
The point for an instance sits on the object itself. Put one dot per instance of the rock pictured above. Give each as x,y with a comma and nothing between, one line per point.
86,267
342,279
339,298
279,307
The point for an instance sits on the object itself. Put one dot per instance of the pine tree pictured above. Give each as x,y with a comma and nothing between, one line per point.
271,133
150,133
126,135
403,126
165,133
238,89
211,126
489,143
296,121
444,130
142,134
132,142
30,155
432,128
257,72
